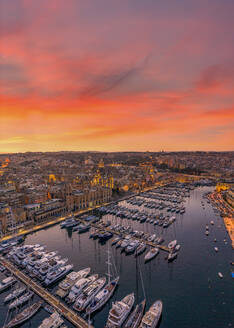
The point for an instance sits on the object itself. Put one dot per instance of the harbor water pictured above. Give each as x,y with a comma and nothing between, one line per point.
193,294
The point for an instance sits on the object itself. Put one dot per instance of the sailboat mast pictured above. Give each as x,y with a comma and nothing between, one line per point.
108,264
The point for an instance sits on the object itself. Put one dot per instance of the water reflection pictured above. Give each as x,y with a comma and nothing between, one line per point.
191,291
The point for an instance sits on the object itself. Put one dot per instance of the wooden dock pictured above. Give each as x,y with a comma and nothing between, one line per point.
60,307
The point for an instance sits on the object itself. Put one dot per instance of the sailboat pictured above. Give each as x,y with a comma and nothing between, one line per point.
136,316
24,315
105,294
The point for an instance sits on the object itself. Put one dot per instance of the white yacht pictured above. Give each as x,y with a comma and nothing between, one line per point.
52,265
151,318
65,285
172,244
151,254
45,260
57,274
120,311
88,294
21,300
54,321
16,293
70,222
78,288
7,282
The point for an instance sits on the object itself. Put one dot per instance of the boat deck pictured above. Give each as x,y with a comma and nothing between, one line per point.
61,308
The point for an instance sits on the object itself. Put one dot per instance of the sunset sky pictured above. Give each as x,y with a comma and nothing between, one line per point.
112,75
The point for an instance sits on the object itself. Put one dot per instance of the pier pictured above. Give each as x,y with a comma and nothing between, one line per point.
149,243
60,307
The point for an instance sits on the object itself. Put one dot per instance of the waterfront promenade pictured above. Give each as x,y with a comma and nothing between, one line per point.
226,211
34,228
70,315
229,224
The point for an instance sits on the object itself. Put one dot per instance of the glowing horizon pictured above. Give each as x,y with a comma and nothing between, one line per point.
111,76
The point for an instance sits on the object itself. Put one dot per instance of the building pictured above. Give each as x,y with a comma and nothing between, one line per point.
78,200
230,197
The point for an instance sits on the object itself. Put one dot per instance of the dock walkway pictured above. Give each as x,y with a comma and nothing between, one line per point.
70,315
149,243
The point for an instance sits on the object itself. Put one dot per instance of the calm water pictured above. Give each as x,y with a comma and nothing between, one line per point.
192,293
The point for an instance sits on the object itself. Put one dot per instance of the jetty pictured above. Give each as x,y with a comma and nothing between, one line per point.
149,243
60,307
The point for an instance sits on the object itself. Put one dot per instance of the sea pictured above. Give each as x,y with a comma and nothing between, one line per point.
193,294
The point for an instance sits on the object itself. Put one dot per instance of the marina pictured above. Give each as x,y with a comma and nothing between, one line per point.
185,236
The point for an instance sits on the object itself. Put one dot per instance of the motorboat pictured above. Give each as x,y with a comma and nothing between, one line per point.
57,274
21,300
83,228
172,256
152,316
220,274
115,240
151,254
52,265
16,293
88,294
54,321
7,282
119,311
132,247
172,244
177,248
68,223
140,249
65,285
78,287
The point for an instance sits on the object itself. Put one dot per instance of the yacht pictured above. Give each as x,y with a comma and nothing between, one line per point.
16,293
52,265
24,315
152,317
136,316
7,282
77,289
177,248
152,238
172,244
82,228
220,274
21,300
57,274
65,285
54,321
119,311
132,247
102,297
115,240
151,254
140,249
68,223
88,294
160,240
172,256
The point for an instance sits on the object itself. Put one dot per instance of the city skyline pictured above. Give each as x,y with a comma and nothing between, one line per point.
105,76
